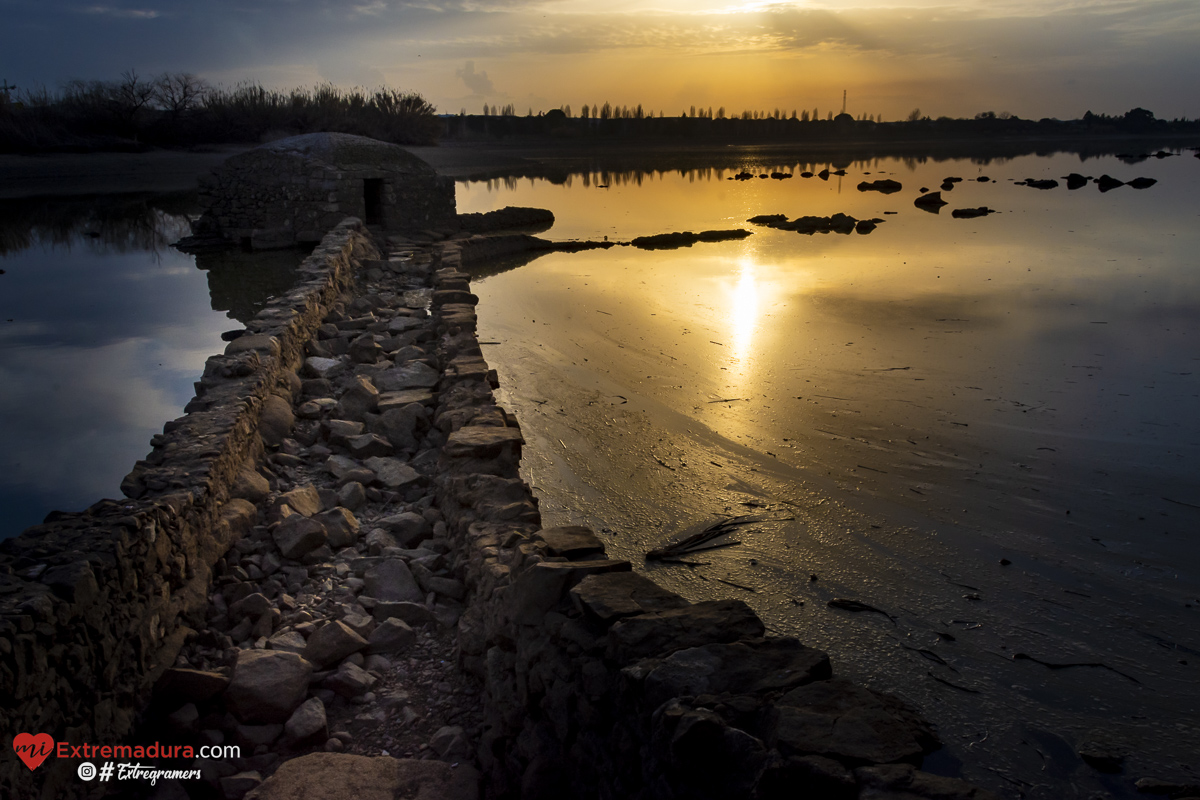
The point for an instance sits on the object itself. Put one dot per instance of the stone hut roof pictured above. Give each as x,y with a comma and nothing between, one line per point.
294,190
346,151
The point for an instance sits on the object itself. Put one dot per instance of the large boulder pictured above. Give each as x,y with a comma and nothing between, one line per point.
267,685
331,643
321,776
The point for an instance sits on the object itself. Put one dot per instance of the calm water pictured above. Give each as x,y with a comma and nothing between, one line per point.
908,407
103,330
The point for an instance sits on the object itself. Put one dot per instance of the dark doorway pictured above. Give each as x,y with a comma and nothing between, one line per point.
373,199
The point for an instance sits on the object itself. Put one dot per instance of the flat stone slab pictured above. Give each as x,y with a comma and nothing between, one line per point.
480,441
414,375
390,400
904,782
852,724
334,776
660,633
625,594
392,472
571,541
742,668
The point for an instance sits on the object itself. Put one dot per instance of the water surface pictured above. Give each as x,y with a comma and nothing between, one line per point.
909,408
103,330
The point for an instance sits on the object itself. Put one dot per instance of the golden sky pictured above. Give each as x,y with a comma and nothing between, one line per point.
1056,58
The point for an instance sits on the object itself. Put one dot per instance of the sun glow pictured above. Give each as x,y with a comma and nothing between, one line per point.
744,302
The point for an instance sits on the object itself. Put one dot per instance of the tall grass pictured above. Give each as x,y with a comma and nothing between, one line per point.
181,110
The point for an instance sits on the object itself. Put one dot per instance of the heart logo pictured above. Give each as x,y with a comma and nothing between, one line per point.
32,749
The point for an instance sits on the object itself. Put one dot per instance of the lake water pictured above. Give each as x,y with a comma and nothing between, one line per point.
987,428
103,330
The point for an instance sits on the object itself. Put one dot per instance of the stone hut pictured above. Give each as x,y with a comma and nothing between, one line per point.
292,191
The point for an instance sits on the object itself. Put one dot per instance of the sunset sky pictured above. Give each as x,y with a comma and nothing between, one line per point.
1054,58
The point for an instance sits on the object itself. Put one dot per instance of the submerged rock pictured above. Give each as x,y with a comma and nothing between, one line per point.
1076,181
972,213
885,185
670,241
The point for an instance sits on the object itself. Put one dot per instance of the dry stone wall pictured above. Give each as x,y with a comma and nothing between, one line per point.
597,682
94,606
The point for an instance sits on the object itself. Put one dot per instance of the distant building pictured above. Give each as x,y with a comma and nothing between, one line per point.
293,190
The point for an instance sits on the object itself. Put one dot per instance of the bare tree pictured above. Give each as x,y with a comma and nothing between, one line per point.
179,93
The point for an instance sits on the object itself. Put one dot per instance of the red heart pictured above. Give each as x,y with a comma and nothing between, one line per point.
33,750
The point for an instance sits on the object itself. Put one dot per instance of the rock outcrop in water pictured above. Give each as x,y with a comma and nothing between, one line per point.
838,223
884,185
1107,183
931,201
670,241
509,218
972,213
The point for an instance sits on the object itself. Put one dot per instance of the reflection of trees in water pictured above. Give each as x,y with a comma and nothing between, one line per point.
239,283
637,166
242,283
101,224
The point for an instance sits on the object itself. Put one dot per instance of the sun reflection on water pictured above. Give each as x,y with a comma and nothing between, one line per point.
744,301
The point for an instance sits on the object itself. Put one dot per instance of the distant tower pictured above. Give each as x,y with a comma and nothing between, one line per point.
843,118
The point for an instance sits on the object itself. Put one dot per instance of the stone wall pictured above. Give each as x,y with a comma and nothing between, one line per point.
600,684
95,605
278,195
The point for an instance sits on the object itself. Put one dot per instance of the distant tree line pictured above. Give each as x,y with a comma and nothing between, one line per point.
607,121
182,110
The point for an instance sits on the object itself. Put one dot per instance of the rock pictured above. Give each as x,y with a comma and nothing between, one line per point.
331,643
744,668
930,202
392,636
352,496
249,485
390,400
905,782
1076,181
349,681
184,719
886,185
972,213
339,432
450,742
178,685
267,685
252,736
392,581
288,642
392,472
304,500
1142,183
341,528
821,777
476,441
671,241
364,349
660,633
325,368
407,529
398,425
413,375
1108,183
622,594
276,420
360,399
368,445
572,541
340,466
1041,184
320,776
234,787
865,226
379,540
297,536
414,614
252,606
307,725
848,723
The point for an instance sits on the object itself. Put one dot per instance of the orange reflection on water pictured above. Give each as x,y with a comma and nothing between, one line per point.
744,309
